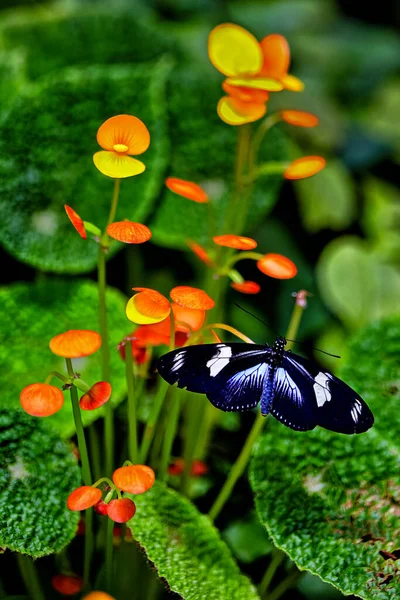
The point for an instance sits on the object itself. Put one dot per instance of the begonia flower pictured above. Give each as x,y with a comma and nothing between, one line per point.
98,395
304,167
76,221
239,242
147,307
190,297
129,232
187,189
246,287
41,399
299,118
121,510
277,266
135,479
68,585
83,497
75,343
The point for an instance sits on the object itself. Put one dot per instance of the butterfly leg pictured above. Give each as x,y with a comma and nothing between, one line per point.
267,394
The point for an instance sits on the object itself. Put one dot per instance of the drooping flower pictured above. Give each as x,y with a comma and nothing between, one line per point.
121,137
135,479
75,343
121,510
304,167
246,287
277,266
100,508
68,585
299,118
187,189
98,395
129,232
147,307
190,297
239,242
41,399
76,221
83,497
200,252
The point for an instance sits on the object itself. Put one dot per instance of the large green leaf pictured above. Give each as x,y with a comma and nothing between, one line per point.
186,548
36,313
37,472
331,501
381,216
47,142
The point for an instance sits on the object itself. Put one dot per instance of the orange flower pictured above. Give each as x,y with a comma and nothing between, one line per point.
120,137
197,469
200,252
276,55
188,319
246,287
147,307
187,189
68,585
304,167
245,94
98,395
83,497
299,118
121,510
76,221
75,343
238,242
190,297
98,595
129,232
41,399
277,266
135,479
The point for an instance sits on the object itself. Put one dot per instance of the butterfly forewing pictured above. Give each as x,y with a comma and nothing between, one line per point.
293,403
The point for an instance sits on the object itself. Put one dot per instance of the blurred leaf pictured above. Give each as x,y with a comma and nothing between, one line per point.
331,501
247,539
186,548
328,199
314,588
37,473
333,339
381,218
47,142
380,117
355,284
35,314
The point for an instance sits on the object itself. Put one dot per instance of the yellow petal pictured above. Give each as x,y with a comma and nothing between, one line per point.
117,165
258,83
292,83
138,317
234,51
235,112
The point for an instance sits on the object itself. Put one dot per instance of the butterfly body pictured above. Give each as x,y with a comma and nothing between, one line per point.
238,376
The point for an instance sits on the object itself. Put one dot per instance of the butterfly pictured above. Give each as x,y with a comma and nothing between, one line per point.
237,376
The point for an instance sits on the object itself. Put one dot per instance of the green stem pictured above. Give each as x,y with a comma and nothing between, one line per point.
286,584
296,317
132,418
30,576
259,136
87,559
172,425
277,559
149,431
94,451
109,554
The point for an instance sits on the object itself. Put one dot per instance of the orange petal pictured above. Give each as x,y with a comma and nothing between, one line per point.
305,167
246,287
75,343
187,189
129,232
234,51
193,317
116,165
98,595
135,479
292,83
147,307
238,242
245,94
266,84
76,221
277,266
299,118
276,52
83,497
98,395
235,112
190,297
68,585
200,252
121,510
124,131
41,399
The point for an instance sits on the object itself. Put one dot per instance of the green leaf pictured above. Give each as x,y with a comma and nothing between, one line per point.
381,216
186,548
35,314
331,501
247,539
47,142
355,283
37,473
327,200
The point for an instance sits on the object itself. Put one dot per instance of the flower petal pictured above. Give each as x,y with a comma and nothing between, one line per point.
147,307
76,221
277,266
245,94
121,510
135,479
187,189
192,317
129,232
124,130
75,343
276,54
200,252
97,594
68,585
299,118
292,83
246,287
304,167
258,83
83,497
116,165
98,395
234,51
239,242
41,399
190,297
236,112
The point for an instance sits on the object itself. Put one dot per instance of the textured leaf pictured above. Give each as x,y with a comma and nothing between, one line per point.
355,283
36,313
186,549
331,501
37,473
47,142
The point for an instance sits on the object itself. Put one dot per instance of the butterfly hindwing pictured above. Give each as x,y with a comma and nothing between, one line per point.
231,375
293,402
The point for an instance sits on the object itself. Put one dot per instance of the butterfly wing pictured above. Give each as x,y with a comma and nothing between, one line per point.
231,375
319,396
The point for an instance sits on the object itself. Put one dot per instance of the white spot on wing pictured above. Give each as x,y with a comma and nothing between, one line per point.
219,360
321,389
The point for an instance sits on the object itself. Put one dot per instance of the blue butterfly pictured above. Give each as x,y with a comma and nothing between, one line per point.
294,390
